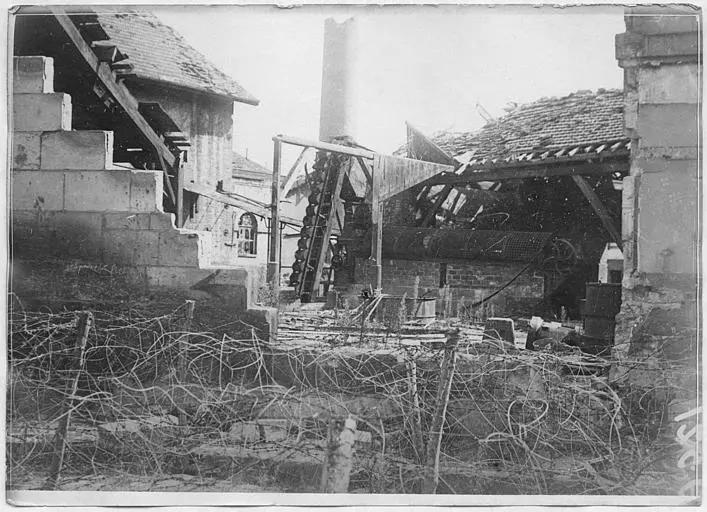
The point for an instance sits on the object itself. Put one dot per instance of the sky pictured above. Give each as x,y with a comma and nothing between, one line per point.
429,65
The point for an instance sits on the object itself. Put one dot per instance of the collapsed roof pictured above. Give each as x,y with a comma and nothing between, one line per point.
582,118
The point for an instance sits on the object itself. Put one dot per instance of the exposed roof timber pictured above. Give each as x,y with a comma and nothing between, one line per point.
118,91
545,170
325,146
599,209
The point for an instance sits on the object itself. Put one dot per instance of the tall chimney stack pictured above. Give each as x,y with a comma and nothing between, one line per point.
340,72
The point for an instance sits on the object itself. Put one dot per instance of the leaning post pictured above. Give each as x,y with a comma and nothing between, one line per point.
274,246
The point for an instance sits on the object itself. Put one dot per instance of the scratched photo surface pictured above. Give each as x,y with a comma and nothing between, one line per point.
383,254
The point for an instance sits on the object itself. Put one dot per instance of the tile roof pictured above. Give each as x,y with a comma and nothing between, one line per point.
159,53
584,118
243,168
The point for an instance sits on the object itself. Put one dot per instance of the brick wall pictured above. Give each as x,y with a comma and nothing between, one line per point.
468,282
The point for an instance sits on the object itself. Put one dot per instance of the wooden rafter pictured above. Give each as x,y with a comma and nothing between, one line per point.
292,174
438,202
121,94
325,146
599,208
519,173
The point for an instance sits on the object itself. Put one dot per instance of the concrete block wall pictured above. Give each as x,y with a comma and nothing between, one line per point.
662,70
70,201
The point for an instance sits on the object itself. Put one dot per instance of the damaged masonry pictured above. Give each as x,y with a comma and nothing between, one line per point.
511,310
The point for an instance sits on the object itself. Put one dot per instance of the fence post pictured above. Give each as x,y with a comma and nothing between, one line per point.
443,389
339,455
85,321
182,358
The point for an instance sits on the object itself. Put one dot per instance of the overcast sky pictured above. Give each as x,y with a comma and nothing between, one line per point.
428,65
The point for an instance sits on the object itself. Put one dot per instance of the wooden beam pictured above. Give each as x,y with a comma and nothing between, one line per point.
599,209
364,168
180,195
438,202
292,174
502,174
325,146
377,230
450,213
117,90
274,246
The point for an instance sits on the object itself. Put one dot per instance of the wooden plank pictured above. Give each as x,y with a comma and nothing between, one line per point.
432,152
119,92
274,246
450,213
292,174
399,174
599,209
325,146
586,169
180,195
364,168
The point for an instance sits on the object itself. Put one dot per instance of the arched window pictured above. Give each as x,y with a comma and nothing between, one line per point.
247,235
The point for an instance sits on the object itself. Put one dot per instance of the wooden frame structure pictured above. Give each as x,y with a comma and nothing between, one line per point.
110,77
280,189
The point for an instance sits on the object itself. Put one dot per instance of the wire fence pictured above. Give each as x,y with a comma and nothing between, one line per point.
147,396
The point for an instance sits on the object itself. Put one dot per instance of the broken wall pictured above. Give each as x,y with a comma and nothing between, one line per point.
659,53
72,203
468,282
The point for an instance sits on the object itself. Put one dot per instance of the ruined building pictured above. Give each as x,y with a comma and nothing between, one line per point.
121,155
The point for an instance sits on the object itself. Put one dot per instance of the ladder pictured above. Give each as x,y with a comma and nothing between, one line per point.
314,244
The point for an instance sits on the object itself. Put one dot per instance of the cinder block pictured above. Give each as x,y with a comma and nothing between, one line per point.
98,191
134,221
37,190
667,224
146,191
33,75
26,150
41,112
84,150
131,247
668,84
669,166
162,221
180,248
77,234
668,125
175,277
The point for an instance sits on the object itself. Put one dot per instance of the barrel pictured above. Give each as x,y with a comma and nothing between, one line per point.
603,302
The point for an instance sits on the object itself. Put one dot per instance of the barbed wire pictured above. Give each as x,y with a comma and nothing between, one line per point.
155,398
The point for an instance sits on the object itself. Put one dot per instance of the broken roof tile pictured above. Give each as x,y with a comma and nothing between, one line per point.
159,53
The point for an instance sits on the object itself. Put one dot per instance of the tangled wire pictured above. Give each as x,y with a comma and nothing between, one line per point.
152,397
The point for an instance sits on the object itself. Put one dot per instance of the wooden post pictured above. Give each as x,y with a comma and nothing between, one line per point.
180,192
85,321
443,389
415,414
339,457
274,253
599,209
183,349
377,240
